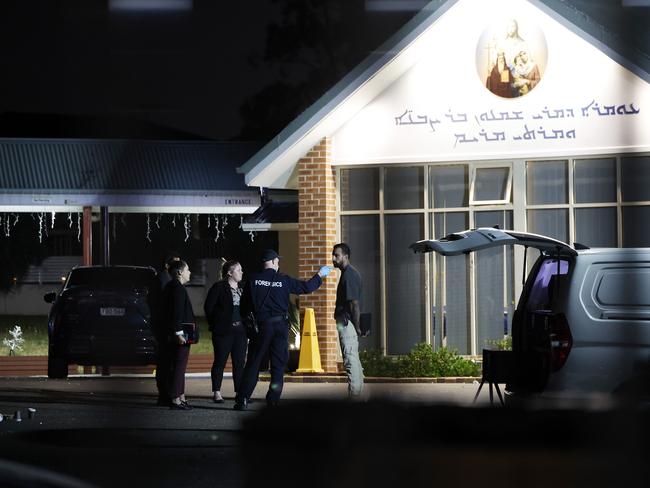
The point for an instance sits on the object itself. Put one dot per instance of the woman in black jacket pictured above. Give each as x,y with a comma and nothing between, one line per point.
178,311
222,309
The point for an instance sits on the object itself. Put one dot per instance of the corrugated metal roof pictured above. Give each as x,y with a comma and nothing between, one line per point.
60,165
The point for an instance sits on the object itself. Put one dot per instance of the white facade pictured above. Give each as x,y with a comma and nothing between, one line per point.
557,145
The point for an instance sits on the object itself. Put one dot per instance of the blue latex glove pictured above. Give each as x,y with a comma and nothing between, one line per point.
324,271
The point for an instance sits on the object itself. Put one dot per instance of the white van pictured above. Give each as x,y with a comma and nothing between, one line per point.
582,323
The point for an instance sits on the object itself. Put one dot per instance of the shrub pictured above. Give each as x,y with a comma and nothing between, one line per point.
422,361
504,344
376,364
449,363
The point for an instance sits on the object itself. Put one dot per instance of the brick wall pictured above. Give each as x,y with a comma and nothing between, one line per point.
317,236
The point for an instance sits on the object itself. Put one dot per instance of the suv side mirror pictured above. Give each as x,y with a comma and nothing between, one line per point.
50,297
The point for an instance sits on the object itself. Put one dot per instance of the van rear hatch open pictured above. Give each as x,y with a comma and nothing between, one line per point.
541,336
486,237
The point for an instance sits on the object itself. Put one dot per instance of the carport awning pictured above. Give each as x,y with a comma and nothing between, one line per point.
236,202
65,175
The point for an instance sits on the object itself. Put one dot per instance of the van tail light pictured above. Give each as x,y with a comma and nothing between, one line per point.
561,340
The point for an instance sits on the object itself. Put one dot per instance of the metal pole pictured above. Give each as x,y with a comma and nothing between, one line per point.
106,254
106,259
87,243
88,236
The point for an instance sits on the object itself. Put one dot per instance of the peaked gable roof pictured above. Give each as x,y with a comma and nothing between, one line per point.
275,164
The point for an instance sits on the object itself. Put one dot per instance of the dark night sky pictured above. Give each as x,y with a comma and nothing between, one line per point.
185,69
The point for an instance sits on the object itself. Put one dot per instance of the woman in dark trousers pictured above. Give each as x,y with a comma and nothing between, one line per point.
178,311
228,331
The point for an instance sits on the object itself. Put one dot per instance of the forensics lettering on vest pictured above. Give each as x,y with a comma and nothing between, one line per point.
275,284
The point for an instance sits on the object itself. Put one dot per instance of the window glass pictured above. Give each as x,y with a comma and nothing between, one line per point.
551,223
595,180
360,189
403,188
448,186
405,278
494,282
636,231
361,233
541,294
546,182
491,184
635,178
451,311
596,227
113,278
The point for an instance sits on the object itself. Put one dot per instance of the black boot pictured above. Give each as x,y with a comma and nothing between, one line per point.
240,404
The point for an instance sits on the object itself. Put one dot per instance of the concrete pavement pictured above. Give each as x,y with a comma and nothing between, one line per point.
109,432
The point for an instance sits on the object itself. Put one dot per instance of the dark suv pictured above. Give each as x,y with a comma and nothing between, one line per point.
102,317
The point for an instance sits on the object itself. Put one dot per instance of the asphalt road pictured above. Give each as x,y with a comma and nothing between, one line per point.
108,432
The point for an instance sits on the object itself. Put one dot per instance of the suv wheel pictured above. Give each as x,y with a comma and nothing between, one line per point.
57,367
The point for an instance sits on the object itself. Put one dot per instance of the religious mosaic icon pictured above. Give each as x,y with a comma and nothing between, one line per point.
511,57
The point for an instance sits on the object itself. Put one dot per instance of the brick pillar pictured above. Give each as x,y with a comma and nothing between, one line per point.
317,236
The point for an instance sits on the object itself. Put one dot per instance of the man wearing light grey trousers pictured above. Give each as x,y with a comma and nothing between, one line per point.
347,314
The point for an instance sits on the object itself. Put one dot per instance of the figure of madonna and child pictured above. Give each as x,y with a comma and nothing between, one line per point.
514,72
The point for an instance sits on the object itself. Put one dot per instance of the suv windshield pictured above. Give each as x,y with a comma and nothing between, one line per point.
123,278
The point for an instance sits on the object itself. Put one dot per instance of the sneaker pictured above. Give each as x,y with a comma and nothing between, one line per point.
217,398
186,405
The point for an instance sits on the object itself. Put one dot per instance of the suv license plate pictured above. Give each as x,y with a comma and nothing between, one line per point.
111,311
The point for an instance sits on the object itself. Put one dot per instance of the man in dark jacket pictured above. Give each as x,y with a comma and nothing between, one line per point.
267,295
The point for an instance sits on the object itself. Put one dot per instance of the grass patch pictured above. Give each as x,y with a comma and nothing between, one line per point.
205,339
34,329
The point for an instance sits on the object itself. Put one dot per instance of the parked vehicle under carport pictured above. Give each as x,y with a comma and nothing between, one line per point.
582,323
102,316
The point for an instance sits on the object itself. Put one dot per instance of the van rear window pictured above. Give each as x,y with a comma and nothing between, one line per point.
541,294
617,290
120,278
624,287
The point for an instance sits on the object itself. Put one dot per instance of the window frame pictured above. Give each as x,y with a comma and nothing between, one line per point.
475,168
515,202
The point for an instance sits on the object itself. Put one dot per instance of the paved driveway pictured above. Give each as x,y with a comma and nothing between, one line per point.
108,432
